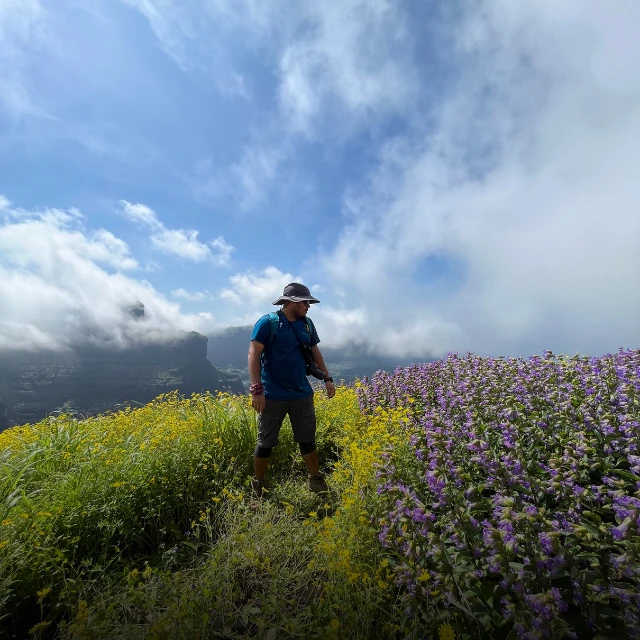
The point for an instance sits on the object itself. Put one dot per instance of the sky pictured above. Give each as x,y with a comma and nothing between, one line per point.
445,176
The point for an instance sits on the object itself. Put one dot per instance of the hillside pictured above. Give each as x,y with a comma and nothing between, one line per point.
93,380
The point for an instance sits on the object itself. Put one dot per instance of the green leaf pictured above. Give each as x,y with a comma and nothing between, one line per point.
478,607
626,474
487,591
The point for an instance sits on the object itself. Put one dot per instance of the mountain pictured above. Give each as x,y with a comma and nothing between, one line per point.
228,350
92,380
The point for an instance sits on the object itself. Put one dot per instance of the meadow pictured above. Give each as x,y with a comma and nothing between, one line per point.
469,498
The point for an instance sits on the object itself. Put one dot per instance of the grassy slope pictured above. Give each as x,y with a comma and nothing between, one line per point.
140,523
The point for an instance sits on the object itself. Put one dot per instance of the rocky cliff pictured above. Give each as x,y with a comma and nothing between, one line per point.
91,380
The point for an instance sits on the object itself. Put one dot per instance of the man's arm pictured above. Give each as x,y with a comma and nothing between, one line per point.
255,350
319,360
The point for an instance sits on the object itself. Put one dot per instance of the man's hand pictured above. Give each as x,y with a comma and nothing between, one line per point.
260,402
331,389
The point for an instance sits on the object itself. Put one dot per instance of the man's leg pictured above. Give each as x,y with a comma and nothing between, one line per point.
311,460
303,423
260,462
269,424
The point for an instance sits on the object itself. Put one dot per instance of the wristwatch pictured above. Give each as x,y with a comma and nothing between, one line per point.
328,379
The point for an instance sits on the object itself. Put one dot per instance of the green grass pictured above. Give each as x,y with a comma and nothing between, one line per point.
141,524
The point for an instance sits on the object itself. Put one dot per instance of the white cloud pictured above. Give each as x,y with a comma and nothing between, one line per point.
253,174
223,250
347,61
347,64
255,291
353,58
58,287
247,183
525,188
140,213
22,24
43,240
180,242
191,296
171,22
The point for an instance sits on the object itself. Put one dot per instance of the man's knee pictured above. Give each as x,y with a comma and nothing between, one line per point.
307,447
263,452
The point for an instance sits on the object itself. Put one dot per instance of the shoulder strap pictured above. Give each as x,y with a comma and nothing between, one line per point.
274,319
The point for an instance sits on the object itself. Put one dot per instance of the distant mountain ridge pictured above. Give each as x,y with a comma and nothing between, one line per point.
228,350
92,380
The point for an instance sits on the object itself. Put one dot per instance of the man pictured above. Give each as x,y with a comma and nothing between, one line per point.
279,385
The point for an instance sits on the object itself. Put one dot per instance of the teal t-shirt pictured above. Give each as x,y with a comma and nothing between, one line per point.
284,367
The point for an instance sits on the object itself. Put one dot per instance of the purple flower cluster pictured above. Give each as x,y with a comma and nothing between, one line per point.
521,491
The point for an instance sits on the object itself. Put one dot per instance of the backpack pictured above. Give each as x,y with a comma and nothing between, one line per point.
274,320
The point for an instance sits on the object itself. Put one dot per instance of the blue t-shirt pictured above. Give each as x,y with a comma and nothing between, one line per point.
284,369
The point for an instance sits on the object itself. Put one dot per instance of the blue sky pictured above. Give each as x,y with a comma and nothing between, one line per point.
446,177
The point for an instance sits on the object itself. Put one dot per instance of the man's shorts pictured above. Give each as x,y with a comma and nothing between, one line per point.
302,414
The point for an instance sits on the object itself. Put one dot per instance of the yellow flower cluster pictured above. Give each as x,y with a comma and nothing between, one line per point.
344,541
161,447
156,425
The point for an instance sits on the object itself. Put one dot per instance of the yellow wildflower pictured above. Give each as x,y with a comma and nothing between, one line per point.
446,632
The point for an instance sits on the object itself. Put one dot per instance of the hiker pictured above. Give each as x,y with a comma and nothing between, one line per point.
282,352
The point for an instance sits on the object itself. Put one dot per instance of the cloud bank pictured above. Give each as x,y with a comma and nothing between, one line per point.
62,286
512,225
500,213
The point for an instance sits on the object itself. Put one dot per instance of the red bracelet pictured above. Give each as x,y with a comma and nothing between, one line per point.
256,389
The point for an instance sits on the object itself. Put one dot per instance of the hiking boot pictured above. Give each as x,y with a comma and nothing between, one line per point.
258,487
317,483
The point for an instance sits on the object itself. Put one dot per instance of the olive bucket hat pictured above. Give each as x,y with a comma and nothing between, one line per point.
296,292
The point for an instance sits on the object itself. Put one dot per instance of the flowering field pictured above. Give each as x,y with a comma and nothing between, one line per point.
470,498
517,504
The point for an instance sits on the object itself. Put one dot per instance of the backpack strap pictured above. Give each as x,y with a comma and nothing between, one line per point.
274,321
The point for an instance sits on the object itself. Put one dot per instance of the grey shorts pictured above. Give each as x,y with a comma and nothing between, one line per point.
302,414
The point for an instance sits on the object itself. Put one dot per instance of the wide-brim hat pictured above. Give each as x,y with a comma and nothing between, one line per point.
296,292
